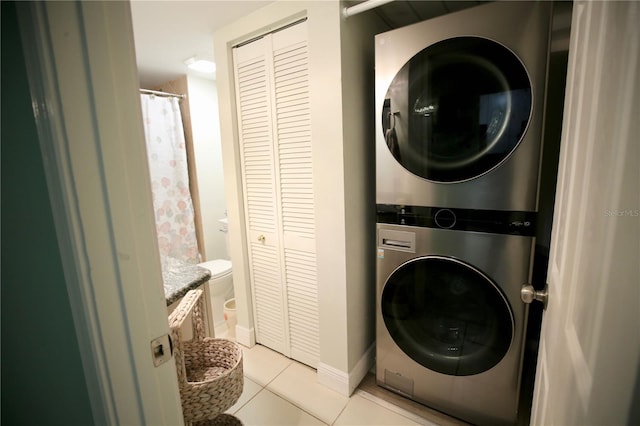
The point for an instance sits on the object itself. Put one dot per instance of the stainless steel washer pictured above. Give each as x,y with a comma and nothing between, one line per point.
450,323
459,106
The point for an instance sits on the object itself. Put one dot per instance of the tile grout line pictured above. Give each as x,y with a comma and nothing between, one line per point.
341,411
385,404
392,407
246,402
278,394
263,387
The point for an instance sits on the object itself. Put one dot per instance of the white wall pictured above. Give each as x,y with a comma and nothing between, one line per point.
203,105
358,98
343,201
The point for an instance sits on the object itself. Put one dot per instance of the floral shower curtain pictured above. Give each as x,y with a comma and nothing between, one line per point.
167,158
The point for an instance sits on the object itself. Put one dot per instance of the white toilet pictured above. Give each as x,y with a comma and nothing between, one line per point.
220,286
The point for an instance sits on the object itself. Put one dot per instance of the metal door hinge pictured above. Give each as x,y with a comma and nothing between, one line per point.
161,350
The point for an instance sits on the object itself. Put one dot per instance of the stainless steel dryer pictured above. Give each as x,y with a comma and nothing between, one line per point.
450,322
459,106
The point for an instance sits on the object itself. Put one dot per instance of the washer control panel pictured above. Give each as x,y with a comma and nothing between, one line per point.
491,221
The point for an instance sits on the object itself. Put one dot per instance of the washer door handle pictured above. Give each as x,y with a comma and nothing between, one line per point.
528,294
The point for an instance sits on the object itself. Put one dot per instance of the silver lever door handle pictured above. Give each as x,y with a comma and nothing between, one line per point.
528,294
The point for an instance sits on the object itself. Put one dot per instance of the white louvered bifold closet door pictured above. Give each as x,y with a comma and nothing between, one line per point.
255,126
272,77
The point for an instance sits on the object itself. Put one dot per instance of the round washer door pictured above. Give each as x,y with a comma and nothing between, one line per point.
447,315
457,109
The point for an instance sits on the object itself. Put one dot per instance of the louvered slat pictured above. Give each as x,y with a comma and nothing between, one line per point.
268,295
256,141
255,138
294,136
295,156
302,297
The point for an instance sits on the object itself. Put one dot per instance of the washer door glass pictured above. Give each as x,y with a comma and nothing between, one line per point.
447,315
457,109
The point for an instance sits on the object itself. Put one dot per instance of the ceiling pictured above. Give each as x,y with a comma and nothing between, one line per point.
168,32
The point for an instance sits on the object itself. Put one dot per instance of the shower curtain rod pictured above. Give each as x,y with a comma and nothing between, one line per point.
157,93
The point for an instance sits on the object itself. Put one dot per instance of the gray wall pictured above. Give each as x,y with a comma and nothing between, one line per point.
42,377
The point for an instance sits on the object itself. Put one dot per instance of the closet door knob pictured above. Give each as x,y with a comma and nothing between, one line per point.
262,239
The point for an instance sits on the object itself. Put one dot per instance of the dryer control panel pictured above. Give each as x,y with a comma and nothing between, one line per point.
491,221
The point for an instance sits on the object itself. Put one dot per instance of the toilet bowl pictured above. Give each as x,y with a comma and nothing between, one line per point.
220,288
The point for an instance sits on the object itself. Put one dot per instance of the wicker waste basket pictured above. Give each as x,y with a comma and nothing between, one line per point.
209,370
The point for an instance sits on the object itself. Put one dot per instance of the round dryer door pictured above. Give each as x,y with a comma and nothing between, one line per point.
447,315
457,109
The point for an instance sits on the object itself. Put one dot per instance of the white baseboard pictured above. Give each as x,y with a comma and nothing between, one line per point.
245,336
343,382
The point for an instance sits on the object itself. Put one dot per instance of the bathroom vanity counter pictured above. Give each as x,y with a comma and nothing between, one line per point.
179,277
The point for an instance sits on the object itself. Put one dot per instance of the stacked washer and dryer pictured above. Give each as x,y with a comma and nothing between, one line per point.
459,104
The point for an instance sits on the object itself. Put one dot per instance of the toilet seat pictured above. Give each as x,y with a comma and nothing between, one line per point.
218,267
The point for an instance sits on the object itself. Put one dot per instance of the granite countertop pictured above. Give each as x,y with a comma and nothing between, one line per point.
179,277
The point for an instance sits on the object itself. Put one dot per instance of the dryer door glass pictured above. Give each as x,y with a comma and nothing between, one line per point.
457,109
447,315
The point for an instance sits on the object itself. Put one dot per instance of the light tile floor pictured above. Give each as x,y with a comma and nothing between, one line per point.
280,391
